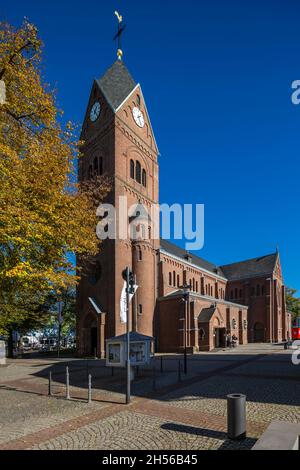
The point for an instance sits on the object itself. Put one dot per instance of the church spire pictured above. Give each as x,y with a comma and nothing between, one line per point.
119,35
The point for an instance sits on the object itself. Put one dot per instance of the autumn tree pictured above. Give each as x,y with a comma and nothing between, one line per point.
45,215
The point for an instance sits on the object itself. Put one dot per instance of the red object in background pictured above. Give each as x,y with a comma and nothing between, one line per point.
295,332
296,328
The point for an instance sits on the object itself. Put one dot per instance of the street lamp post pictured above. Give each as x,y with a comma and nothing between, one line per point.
128,276
186,292
128,339
59,318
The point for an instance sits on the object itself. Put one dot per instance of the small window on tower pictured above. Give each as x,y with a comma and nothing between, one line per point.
132,169
138,100
140,255
95,166
138,171
144,181
140,309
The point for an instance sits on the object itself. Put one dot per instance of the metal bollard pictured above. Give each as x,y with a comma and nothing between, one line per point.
90,389
236,416
161,364
153,376
179,371
50,385
67,384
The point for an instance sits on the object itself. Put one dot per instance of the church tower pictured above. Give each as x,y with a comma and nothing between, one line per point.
119,143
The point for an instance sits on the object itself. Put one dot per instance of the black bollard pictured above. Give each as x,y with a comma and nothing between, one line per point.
179,371
236,416
161,364
153,375
50,385
67,384
90,389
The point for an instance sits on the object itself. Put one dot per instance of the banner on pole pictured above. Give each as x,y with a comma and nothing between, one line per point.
123,312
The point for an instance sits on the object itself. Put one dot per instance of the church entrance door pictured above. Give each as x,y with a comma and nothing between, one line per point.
93,340
259,333
219,337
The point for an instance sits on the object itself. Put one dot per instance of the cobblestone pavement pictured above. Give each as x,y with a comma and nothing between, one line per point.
190,414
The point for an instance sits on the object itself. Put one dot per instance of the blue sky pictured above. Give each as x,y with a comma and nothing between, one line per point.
217,78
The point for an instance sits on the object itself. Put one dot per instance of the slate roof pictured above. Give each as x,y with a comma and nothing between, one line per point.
251,267
206,314
116,84
181,253
242,269
133,336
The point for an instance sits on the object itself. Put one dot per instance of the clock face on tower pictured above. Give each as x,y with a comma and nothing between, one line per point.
138,117
95,111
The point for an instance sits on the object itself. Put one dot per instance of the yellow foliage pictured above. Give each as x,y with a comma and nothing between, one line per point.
44,215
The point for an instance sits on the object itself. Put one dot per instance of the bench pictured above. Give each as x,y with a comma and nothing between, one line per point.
280,435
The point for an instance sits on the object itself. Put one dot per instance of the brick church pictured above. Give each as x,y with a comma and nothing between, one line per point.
245,299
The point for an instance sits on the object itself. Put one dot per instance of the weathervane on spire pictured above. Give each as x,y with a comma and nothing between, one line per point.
119,34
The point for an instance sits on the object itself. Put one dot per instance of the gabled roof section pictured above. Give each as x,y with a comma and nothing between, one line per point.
189,257
116,84
133,336
251,267
206,314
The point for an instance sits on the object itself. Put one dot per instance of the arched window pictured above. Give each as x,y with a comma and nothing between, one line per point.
174,278
206,289
140,309
140,254
170,279
196,286
95,166
144,179
138,171
211,291
132,169
143,231
193,284
138,100
178,280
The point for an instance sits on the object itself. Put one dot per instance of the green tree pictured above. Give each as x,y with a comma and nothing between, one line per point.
292,302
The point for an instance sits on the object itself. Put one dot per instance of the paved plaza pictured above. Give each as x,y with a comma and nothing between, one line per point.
169,410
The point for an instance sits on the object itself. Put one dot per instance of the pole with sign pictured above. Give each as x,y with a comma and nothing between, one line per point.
130,290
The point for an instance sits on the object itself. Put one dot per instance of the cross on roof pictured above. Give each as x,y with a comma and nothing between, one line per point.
118,36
